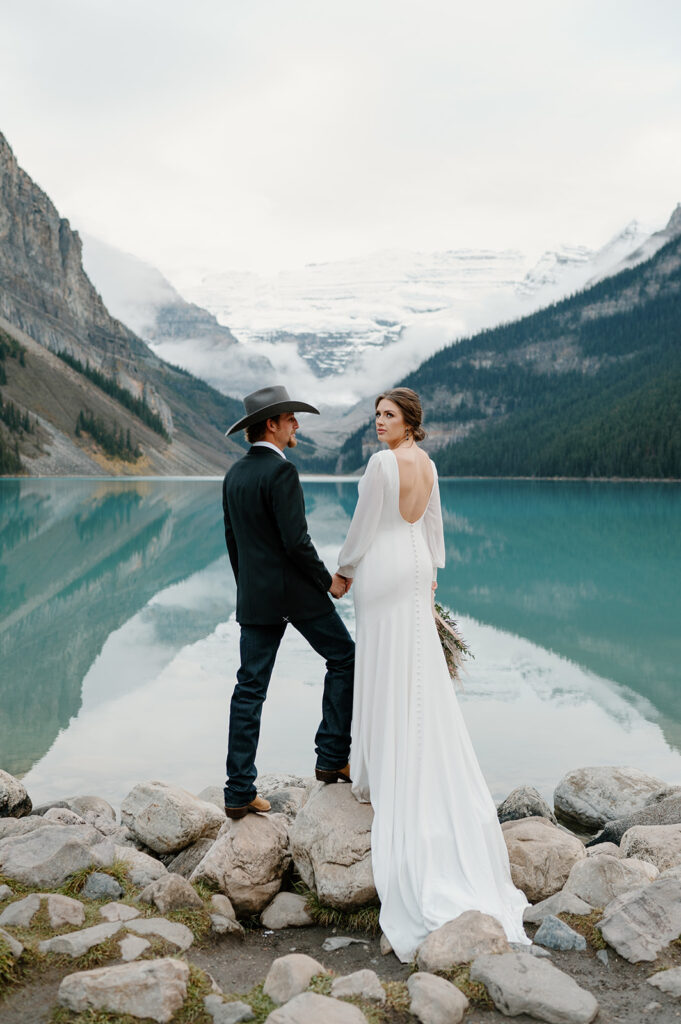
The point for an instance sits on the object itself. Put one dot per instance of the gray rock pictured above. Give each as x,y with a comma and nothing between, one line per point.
556,934
118,912
589,797
290,975
385,945
171,892
247,861
151,988
132,946
5,893
667,981
658,844
665,811
273,782
331,847
20,913
309,1008
77,943
523,984
14,800
227,1013
541,856
22,826
288,801
63,816
62,910
14,946
189,858
167,818
460,940
223,925
659,796
335,942
602,848
602,955
531,950
640,923
47,856
362,984
435,1000
598,880
213,795
91,807
142,869
674,872
172,931
560,903
221,904
287,910
524,802
101,887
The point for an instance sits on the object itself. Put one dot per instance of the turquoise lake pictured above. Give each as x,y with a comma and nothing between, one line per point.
118,644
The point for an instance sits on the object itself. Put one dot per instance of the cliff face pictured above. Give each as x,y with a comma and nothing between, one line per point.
46,296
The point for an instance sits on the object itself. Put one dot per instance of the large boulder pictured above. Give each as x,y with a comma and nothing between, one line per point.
22,826
289,976
247,861
151,988
598,880
541,855
14,800
47,856
640,923
664,811
460,941
167,818
518,983
524,802
435,1000
331,847
588,797
658,844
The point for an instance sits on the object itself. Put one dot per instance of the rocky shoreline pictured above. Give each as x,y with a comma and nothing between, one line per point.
108,917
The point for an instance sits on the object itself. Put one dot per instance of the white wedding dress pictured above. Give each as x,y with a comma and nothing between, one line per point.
437,846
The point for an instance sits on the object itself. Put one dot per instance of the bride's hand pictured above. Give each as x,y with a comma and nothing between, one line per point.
434,586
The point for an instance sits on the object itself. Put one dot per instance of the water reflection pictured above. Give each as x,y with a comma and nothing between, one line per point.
119,646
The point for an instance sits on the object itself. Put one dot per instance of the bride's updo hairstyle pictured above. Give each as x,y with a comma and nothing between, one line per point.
410,406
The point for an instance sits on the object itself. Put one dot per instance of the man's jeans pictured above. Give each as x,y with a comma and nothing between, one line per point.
259,645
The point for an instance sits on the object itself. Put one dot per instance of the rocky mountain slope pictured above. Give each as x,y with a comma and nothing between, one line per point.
144,415
589,386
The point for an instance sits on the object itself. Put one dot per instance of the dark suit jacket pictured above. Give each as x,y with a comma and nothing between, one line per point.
279,575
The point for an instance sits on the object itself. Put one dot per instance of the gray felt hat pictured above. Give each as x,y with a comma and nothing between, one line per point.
268,402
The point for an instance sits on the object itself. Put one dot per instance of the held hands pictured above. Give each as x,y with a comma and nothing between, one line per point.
339,585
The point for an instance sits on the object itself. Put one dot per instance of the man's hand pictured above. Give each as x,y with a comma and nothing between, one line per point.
339,585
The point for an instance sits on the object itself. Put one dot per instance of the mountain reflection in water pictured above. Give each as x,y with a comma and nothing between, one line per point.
117,631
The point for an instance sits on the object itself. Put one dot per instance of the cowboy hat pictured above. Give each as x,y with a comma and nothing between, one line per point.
267,403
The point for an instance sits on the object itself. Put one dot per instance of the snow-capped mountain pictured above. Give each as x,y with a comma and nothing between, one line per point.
338,331
346,328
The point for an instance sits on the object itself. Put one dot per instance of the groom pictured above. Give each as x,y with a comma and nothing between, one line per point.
280,579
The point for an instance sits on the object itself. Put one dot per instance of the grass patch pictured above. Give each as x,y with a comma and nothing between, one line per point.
198,922
321,984
474,991
261,1004
205,889
17,888
587,925
364,920
74,885
9,968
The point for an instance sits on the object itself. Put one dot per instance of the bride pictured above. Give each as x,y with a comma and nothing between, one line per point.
437,846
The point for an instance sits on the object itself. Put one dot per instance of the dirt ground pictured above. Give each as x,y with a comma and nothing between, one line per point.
620,987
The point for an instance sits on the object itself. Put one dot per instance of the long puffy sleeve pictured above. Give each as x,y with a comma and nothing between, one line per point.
365,519
432,521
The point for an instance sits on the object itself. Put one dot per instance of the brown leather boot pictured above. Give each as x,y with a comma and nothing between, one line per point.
333,774
257,806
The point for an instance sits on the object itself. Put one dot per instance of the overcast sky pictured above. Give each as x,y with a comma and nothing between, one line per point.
260,134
